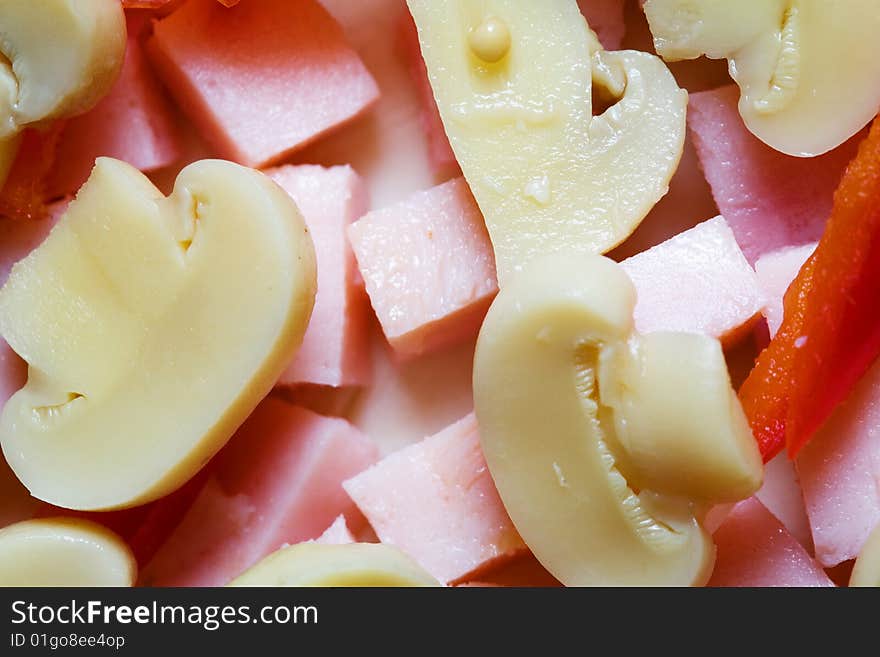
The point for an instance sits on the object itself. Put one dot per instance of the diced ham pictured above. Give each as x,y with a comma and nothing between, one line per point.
428,266
781,493
277,481
754,549
336,534
135,123
261,79
769,199
698,282
605,18
387,145
335,350
776,270
436,501
440,151
419,397
840,474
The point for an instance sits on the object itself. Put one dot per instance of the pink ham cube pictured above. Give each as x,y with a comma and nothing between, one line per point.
698,282
335,350
279,480
336,534
782,495
776,270
769,199
436,501
428,266
261,79
605,18
754,549
135,123
840,474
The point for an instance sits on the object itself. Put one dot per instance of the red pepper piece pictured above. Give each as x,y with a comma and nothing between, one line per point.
830,333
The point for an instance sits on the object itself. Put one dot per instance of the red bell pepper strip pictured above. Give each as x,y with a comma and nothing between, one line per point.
830,334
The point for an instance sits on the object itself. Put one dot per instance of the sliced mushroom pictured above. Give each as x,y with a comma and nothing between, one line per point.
808,70
513,81
152,327
677,418
866,571
64,552
61,57
604,453
354,564
58,58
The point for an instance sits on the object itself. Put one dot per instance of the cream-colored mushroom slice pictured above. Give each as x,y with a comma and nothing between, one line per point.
808,70
513,81
866,571
61,57
354,564
678,419
58,58
64,552
581,432
152,327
